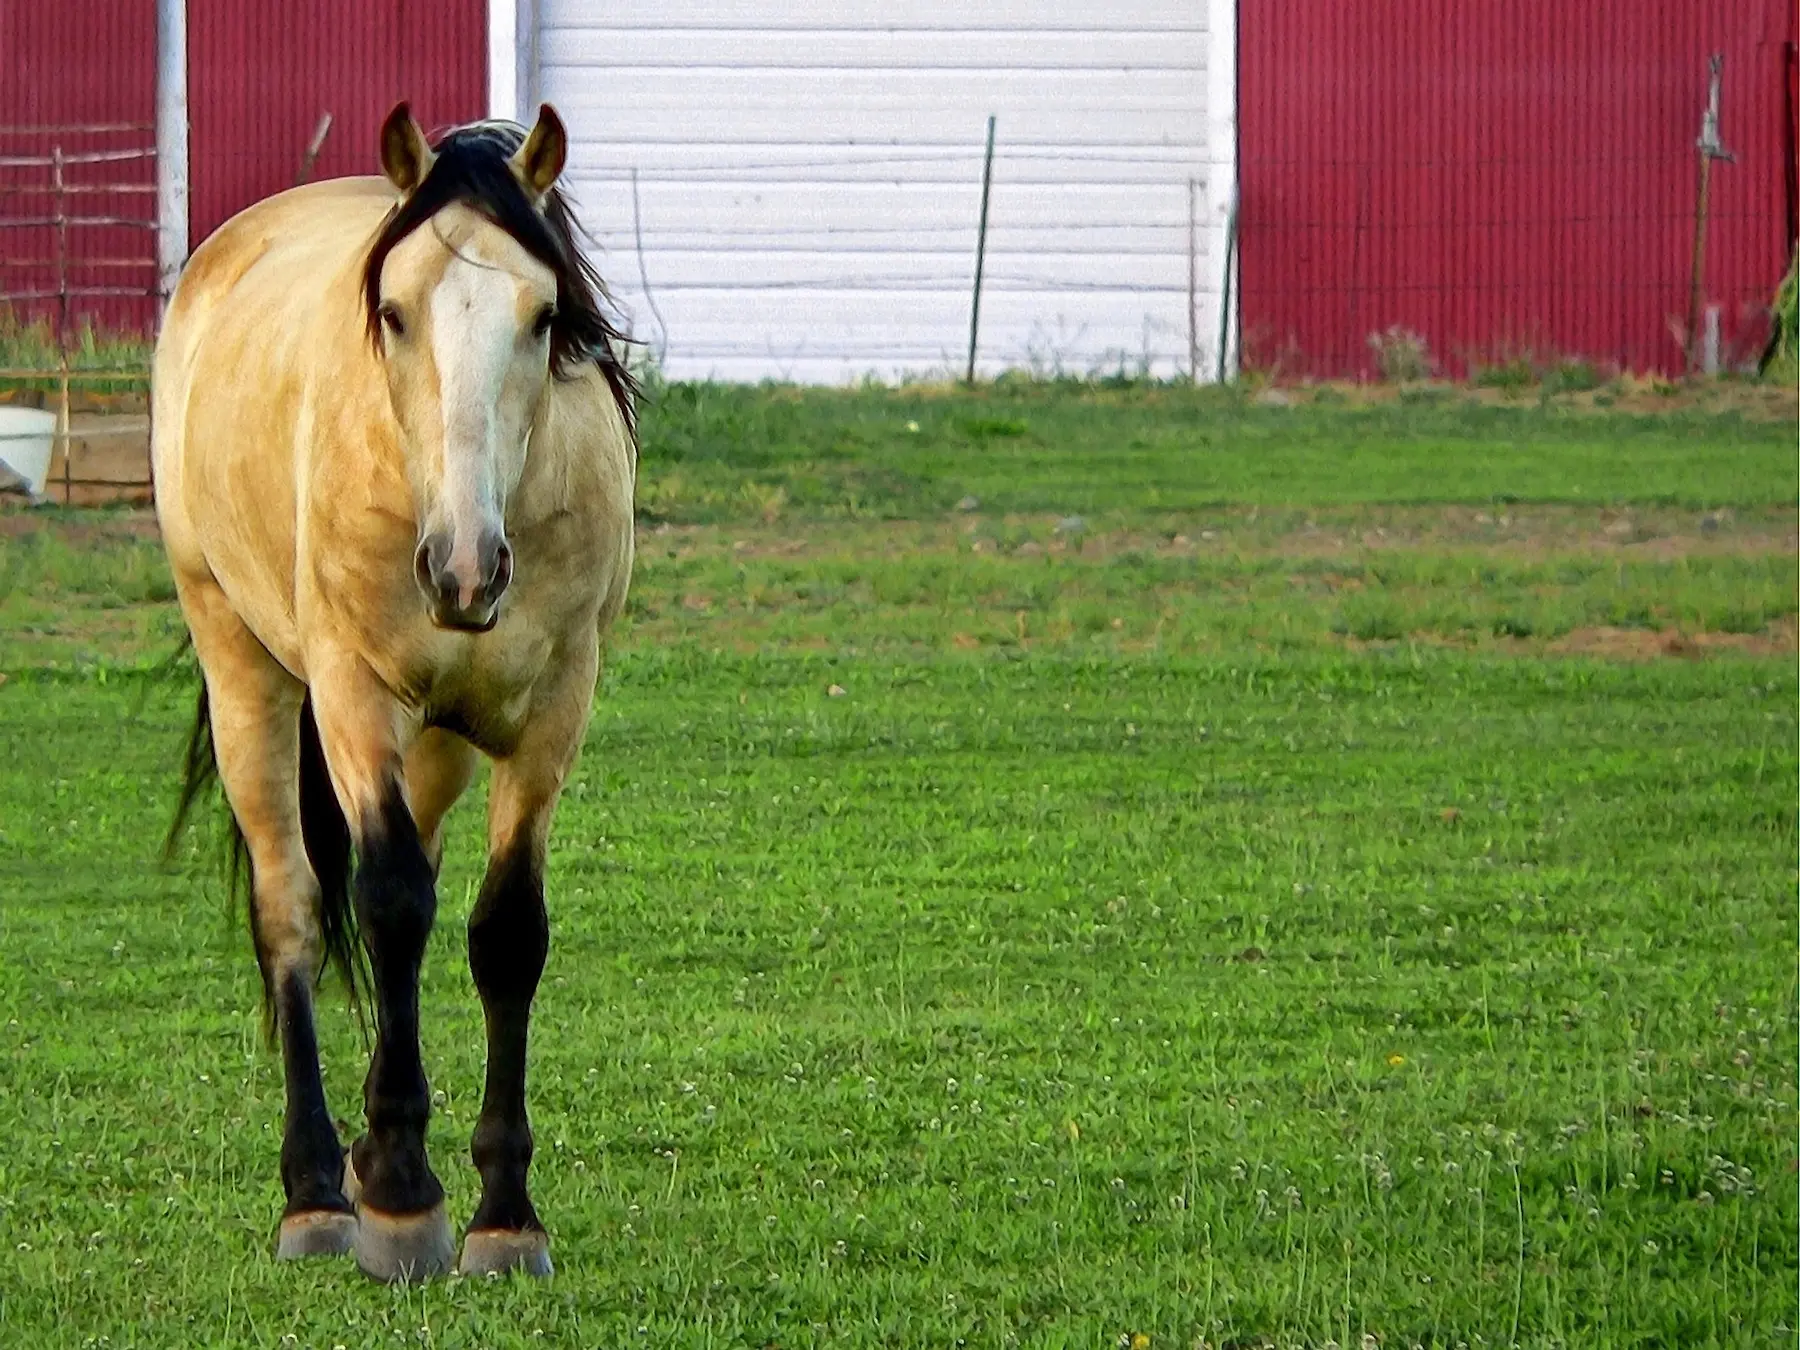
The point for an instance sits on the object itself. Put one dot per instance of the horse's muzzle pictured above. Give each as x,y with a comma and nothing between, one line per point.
462,591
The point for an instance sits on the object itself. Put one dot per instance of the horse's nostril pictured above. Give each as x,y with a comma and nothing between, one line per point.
463,591
503,569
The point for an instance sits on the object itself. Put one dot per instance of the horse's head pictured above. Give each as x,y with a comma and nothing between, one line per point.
476,298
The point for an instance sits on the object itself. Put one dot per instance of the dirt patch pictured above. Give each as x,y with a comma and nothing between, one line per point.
1631,395
1529,533
1651,534
1781,638
1645,644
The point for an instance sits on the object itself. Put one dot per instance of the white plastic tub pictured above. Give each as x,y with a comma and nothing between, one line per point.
26,438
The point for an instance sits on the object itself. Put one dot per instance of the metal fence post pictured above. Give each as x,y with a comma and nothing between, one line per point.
1193,280
987,179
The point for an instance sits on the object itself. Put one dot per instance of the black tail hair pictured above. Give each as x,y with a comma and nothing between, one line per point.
323,829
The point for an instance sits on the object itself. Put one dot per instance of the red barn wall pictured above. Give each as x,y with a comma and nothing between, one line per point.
1505,177
79,63
260,73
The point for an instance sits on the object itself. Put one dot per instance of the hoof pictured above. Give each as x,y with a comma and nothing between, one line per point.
494,1251
315,1232
403,1248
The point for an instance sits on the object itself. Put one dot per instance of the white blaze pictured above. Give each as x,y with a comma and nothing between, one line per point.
472,335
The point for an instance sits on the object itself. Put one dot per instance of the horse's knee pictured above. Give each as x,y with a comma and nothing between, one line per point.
396,901
509,930
284,918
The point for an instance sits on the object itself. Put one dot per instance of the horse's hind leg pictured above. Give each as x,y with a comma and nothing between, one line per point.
402,1233
255,710
509,939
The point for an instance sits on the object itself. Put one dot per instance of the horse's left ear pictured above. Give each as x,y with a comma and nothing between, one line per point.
405,156
542,156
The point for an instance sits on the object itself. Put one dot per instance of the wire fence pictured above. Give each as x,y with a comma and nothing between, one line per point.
78,229
811,264
856,259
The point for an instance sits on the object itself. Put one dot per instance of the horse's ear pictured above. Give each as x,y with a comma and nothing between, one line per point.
405,157
542,156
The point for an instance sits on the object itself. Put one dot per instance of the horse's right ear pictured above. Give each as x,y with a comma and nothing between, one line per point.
405,156
541,158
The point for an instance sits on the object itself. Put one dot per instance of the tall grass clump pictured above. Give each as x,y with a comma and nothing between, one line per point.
1779,357
31,345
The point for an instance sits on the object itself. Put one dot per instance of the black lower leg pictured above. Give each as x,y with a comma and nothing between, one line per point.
395,904
312,1159
509,936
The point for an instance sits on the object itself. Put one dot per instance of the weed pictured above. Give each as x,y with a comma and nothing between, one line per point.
1514,374
766,500
988,428
1573,376
1779,356
1400,354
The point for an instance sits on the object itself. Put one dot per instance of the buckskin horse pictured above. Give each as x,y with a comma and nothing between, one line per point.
395,452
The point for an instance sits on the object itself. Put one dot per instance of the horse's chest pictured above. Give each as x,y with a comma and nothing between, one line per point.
487,695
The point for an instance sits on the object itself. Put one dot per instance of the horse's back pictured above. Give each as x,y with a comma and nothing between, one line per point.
299,236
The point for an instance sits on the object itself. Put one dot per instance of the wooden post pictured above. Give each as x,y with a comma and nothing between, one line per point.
316,144
1710,147
60,226
987,178
1698,275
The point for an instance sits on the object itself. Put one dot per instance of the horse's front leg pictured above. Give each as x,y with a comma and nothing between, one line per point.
255,712
401,1233
509,938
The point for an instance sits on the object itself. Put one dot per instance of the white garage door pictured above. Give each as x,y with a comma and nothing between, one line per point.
792,191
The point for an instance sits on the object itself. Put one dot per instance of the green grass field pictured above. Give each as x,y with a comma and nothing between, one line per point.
1343,889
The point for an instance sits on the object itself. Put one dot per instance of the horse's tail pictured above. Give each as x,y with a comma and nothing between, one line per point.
199,775
323,830
327,837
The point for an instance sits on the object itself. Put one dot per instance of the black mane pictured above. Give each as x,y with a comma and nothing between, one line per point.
471,168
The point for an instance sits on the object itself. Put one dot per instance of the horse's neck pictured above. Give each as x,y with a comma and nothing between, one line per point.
567,464
348,440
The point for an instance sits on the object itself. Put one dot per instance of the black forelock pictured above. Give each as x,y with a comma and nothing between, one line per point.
471,169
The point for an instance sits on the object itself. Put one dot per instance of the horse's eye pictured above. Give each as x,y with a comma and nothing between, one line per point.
545,317
390,316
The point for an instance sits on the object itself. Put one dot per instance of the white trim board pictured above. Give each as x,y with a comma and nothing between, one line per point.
512,59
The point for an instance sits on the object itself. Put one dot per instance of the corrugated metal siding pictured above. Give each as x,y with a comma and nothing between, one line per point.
809,178
79,63
1504,177
261,72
